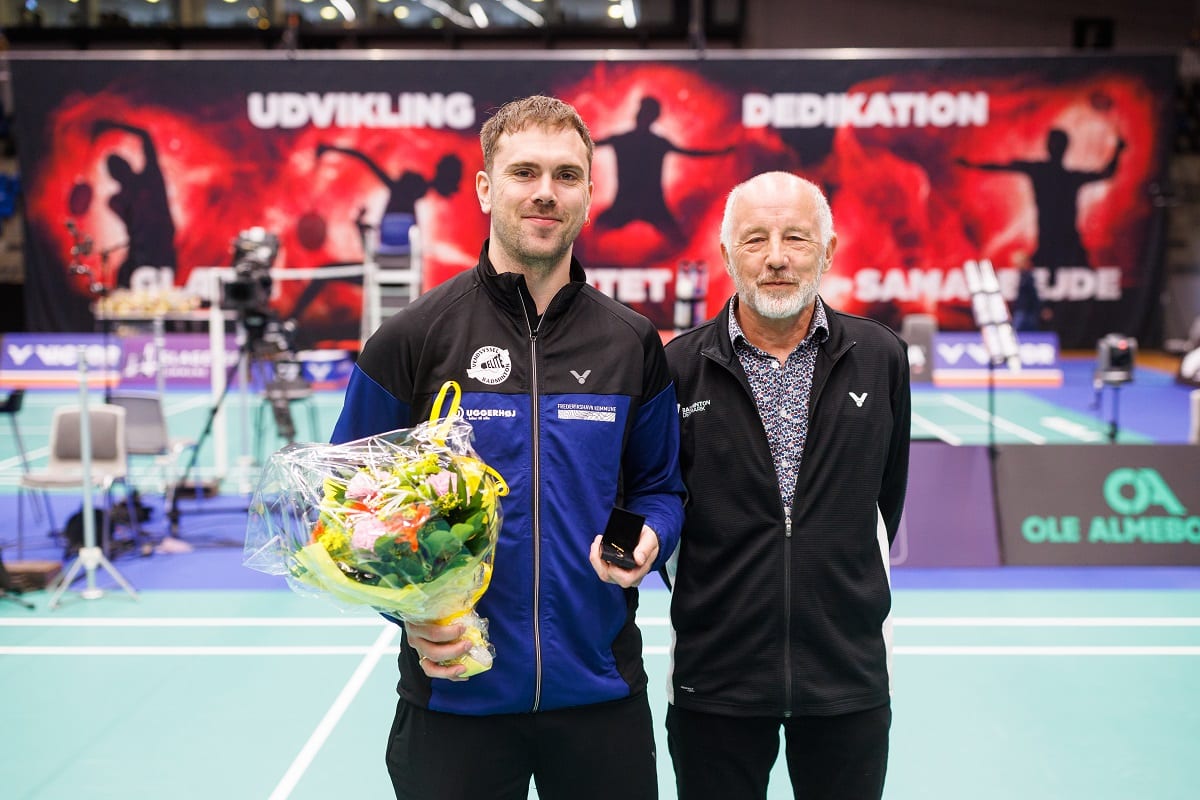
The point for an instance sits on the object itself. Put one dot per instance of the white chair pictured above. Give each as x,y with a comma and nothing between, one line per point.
109,464
146,434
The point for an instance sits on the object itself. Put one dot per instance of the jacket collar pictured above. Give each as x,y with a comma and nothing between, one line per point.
510,293
722,347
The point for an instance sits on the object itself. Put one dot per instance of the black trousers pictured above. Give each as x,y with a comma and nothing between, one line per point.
595,752
730,758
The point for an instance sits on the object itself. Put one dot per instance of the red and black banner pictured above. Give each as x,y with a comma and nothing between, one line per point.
929,161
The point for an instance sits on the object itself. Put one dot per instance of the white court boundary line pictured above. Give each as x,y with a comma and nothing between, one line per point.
1015,622
937,430
319,736
372,654
196,650
198,622
1050,650
999,422
388,631
649,622
1049,622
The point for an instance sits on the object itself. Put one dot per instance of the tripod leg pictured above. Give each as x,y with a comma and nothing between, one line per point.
116,576
173,509
12,598
90,558
285,426
66,580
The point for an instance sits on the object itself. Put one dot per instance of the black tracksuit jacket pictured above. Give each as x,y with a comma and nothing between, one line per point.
779,612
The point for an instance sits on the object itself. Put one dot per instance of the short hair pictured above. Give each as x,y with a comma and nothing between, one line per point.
539,110
824,213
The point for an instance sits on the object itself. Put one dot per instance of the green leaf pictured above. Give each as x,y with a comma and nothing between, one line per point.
441,545
463,531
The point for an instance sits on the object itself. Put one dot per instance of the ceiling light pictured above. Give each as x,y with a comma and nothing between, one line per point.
344,8
449,12
630,13
525,12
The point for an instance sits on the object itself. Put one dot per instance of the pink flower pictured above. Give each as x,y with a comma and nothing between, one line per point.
366,530
443,482
361,486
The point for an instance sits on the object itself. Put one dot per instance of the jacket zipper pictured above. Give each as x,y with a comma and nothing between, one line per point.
537,503
787,610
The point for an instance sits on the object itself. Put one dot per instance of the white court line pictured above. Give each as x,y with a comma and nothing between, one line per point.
14,463
389,631
649,650
1035,650
197,650
1012,622
937,430
196,622
315,742
999,422
175,408
1048,622
646,622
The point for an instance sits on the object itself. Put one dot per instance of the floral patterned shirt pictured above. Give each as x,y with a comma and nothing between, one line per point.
781,392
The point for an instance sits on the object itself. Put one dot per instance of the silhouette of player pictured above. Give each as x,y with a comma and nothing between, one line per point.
405,190
141,204
640,154
1056,192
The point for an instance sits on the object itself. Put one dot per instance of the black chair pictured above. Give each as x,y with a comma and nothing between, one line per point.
10,408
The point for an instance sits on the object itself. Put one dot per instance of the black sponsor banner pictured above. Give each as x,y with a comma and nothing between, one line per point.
1096,504
949,513
930,160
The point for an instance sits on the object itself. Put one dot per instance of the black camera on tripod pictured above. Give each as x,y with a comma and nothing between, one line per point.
249,291
254,252
1115,357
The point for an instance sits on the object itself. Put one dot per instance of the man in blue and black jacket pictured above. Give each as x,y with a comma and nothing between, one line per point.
571,402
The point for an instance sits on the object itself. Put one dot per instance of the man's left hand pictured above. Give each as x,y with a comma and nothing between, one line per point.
643,555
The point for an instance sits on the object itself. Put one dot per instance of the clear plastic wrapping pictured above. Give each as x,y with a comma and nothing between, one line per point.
405,522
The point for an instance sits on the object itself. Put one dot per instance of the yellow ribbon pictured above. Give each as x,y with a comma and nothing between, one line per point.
440,430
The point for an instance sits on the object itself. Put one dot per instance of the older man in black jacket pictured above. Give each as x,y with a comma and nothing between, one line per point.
795,433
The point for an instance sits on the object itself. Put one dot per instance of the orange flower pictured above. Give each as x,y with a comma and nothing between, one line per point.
404,525
317,531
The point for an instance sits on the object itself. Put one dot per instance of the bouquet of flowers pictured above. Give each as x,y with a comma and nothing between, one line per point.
405,522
